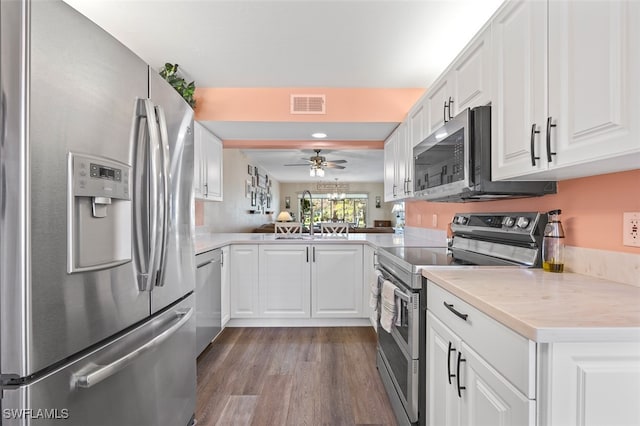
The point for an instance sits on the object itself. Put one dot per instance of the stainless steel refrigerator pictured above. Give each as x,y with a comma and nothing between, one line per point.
96,228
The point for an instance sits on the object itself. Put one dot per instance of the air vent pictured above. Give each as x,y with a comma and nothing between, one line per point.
307,104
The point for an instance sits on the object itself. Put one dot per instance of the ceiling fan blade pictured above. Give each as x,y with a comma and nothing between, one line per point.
337,161
334,166
297,164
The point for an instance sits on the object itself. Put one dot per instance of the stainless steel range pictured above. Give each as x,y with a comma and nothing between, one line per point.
479,239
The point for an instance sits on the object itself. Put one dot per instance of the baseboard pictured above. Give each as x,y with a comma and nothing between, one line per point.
298,322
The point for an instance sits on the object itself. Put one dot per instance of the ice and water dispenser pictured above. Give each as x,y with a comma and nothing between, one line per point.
99,213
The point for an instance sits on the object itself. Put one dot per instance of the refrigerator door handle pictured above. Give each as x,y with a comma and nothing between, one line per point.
104,371
147,243
164,152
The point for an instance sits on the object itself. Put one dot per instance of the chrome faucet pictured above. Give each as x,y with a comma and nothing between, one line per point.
305,192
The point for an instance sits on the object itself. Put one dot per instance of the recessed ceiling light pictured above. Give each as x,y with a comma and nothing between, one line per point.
319,135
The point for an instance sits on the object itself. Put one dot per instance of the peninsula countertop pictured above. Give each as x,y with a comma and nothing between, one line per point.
209,241
547,307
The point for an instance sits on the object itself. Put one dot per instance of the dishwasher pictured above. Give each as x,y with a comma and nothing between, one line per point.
208,298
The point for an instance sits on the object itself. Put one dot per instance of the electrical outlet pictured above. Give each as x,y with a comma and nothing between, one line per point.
631,229
434,220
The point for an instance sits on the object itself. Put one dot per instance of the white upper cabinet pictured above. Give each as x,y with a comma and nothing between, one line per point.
398,165
465,84
207,179
389,168
566,105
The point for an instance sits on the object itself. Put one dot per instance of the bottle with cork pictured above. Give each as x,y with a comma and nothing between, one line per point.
553,243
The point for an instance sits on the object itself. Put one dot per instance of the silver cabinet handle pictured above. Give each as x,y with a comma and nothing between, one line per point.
164,201
104,371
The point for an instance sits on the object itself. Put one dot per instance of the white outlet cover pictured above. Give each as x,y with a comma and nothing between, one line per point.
631,229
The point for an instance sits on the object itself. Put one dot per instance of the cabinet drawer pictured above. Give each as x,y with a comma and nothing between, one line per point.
505,350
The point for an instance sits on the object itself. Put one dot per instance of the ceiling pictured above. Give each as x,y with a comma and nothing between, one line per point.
297,43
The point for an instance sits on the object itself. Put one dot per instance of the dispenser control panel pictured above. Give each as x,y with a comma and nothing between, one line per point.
99,177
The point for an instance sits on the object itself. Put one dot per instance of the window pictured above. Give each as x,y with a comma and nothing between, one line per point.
351,209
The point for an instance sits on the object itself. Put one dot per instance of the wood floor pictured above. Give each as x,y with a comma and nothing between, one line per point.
292,376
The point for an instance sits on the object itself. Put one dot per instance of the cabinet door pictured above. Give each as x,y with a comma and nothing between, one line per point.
417,120
488,399
336,281
470,75
198,161
594,90
225,309
443,403
437,97
401,162
519,40
389,168
212,147
243,264
591,384
285,281
369,271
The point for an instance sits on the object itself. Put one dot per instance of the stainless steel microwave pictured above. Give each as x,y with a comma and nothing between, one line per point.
454,163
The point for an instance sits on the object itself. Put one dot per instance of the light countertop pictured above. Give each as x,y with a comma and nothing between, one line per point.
209,241
548,307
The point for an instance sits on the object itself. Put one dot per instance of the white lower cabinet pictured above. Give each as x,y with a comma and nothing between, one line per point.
243,280
336,281
463,389
296,281
480,372
225,310
285,281
589,384
369,276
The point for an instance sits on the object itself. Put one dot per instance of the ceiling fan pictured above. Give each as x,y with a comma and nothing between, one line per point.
320,162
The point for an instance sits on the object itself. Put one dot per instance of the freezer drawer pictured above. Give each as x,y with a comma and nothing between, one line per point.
146,377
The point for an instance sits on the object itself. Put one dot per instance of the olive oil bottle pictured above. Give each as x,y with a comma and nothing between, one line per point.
553,243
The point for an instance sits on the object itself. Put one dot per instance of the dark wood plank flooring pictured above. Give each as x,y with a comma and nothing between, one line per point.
292,376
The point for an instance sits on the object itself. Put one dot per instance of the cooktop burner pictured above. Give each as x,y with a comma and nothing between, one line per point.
422,256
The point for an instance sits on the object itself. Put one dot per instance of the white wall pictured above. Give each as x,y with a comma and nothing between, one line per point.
372,189
232,214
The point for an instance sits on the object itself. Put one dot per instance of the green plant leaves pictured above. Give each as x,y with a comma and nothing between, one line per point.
186,90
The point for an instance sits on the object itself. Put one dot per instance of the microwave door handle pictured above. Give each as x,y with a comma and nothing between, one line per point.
164,202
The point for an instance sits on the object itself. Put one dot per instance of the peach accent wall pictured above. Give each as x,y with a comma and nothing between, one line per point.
291,144
199,212
272,104
592,209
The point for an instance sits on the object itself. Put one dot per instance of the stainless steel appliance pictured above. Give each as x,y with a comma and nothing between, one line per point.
208,298
454,163
488,239
97,272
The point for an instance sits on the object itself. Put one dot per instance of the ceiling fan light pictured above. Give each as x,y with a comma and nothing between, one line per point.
319,135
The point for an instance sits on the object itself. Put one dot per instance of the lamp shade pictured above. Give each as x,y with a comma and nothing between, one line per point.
284,216
397,208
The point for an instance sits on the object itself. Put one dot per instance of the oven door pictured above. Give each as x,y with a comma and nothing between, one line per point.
403,370
442,165
400,349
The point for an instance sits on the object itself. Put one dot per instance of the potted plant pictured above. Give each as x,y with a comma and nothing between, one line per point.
186,90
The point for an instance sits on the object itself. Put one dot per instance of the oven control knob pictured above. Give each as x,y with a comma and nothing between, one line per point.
523,222
508,221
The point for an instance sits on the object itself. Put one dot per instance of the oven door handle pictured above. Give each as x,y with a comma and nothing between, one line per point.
403,296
